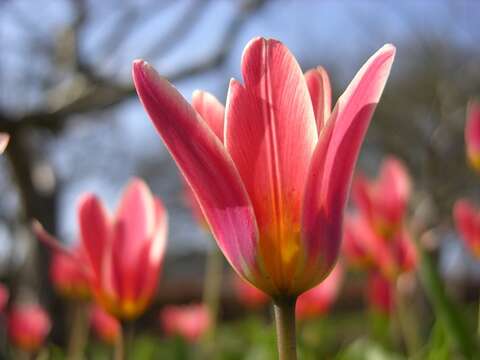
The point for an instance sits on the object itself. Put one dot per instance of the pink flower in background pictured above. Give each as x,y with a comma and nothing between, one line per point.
472,135
318,300
106,327
366,250
272,175
68,274
124,252
187,321
4,295
380,293
4,139
384,201
248,295
28,326
467,221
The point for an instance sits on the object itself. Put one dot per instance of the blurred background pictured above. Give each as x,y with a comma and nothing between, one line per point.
76,125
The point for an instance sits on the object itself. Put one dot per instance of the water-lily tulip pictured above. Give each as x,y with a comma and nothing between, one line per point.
28,326
106,327
248,295
472,135
318,300
467,221
4,295
384,201
187,321
68,274
273,179
124,252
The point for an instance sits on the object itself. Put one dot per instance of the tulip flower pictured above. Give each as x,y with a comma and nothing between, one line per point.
384,201
472,135
4,139
380,293
28,326
124,252
318,300
273,188
365,249
188,321
249,295
106,327
4,295
467,221
69,275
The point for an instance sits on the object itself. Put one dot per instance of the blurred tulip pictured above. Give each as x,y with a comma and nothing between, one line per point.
187,321
106,327
69,275
384,201
4,139
318,300
4,295
467,221
380,293
124,252
28,326
272,177
249,295
472,135
365,249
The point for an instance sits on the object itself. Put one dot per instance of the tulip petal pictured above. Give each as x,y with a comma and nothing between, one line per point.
137,213
271,134
320,91
211,110
94,231
4,139
205,165
326,193
152,256
468,224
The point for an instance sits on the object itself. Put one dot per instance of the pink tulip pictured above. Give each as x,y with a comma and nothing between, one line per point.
384,201
4,295
467,221
318,300
249,295
125,251
28,326
69,275
365,249
4,139
273,175
187,321
380,293
106,327
472,135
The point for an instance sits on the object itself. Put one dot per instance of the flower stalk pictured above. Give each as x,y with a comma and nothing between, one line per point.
79,330
286,329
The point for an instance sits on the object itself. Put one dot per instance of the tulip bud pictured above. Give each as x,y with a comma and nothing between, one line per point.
188,321
106,327
472,135
28,326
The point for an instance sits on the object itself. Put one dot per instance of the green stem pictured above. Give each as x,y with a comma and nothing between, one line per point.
407,323
445,310
119,346
286,333
212,286
78,331
478,326
211,298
